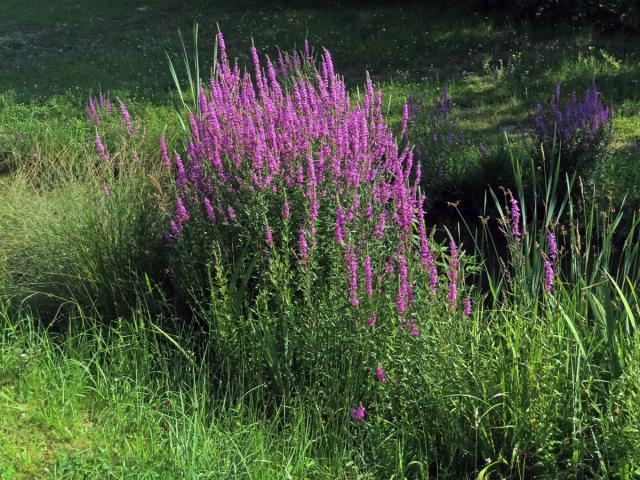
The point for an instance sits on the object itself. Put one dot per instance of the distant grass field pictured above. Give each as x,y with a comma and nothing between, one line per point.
496,70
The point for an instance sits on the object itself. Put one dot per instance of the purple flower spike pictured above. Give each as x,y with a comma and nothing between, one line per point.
125,116
176,228
553,246
165,153
353,277
467,306
405,119
181,212
453,274
303,247
285,210
268,237
208,209
101,149
515,218
548,276
380,374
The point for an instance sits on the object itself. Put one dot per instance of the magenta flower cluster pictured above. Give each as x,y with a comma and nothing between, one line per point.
357,413
98,107
579,130
304,147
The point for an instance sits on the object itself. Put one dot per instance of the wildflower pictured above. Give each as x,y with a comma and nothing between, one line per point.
165,154
231,213
403,297
311,144
353,277
208,209
368,273
357,413
125,116
433,274
379,230
548,276
302,245
268,236
91,109
339,225
380,374
553,245
176,228
445,105
414,330
181,212
467,306
372,320
106,191
405,119
515,218
101,149
453,273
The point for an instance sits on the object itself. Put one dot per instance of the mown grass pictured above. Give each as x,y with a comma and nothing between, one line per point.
525,387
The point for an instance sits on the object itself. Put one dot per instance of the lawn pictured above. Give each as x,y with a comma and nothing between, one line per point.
129,349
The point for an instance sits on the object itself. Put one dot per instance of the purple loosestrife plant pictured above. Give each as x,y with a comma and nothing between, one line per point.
284,157
453,274
515,219
467,306
126,117
580,130
101,150
549,276
553,246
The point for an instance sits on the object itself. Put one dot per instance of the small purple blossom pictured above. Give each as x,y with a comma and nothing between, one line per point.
553,245
106,191
176,228
303,247
165,153
101,149
453,274
380,374
357,413
268,236
352,266
125,116
515,218
182,215
548,276
405,119
208,209
339,228
467,306
368,274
